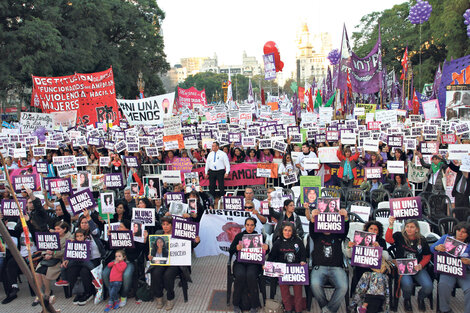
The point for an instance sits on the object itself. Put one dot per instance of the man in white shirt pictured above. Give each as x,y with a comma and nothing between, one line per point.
217,168
250,195
306,153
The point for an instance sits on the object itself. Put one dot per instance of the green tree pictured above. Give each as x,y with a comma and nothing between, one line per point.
443,36
56,38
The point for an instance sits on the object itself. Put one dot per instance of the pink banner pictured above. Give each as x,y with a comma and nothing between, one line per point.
240,175
191,97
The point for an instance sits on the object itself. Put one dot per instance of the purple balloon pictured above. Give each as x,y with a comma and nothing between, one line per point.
420,12
334,56
466,16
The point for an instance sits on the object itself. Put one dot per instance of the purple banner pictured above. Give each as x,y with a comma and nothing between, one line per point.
369,257
234,203
60,185
329,223
47,241
120,239
82,200
77,250
295,274
10,209
24,181
184,229
405,208
447,264
113,181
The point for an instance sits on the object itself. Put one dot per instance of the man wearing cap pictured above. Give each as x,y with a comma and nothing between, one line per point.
217,168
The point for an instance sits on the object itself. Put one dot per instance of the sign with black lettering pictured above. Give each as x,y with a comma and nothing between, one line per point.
82,200
252,249
120,239
47,241
234,203
405,208
329,223
369,257
10,209
295,274
77,250
113,181
447,264
265,144
184,229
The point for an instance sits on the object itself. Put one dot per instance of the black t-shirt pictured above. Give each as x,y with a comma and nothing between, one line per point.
414,250
327,249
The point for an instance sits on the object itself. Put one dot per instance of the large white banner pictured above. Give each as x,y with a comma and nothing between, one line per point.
147,111
218,228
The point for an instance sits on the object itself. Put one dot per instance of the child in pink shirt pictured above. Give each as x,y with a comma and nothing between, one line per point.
118,266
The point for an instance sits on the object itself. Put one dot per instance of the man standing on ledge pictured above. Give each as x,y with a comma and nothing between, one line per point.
217,168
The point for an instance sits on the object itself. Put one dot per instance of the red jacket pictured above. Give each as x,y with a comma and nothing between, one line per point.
352,160
117,269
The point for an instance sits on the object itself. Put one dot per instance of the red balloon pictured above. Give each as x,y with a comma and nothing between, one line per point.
271,47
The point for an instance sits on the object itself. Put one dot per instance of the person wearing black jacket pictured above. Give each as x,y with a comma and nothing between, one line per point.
327,262
289,248
461,189
287,215
246,274
38,217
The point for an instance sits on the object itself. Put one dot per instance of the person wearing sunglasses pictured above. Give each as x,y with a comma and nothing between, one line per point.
250,206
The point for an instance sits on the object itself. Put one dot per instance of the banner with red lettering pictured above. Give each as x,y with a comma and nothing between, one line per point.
89,94
240,174
191,98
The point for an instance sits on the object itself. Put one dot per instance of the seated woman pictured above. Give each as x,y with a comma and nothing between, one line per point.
163,277
447,282
49,268
122,212
246,274
288,215
410,244
289,248
89,231
372,289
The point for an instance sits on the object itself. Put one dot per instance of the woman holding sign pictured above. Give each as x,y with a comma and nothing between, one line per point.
288,215
446,281
410,244
347,171
246,274
289,249
436,176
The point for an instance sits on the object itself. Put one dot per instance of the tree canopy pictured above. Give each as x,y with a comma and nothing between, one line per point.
442,37
57,38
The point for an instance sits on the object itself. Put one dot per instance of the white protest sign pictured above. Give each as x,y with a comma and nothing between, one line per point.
328,155
396,167
371,145
458,152
147,111
29,122
171,177
362,211
311,163
348,138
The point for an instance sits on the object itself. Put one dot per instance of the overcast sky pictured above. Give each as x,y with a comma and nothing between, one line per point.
204,27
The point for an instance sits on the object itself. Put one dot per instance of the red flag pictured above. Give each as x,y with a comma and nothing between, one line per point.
348,83
263,101
404,64
310,101
415,103
301,94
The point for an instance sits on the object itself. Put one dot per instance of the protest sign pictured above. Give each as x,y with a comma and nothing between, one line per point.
395,141
174,197
406,266
308,186
146,216
328,155
113,181
405,208
329,223
240,174
431,109
10,209
450,265
184,229
373,172
39,151
458,151
348,138
147,111
131,161
47,241
454,247
396,167
110,226
429,147
268,170
332,135
178,208
82,200
289,179
373,125
362,211
67,168
191,98
77,250
269,66
29,121
121,239
274,269
174,142
60,185
368,257
295,274
25,181
138,230
234,203
184,165
64,120
252,249
371,145
81,161
42,167
171,176
265,144
279,146
174,252
410,144
448,138
19,153
107,203
311,163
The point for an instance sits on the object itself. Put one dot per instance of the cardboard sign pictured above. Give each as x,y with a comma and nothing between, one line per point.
328,154
60,185
329,223
77,250
373,172
10,209
406,266
450,265
47,241
268,170
107,203
274,269
405,208
396,167
362,211
454,247
234,203
121,239
429,147
146,216
82,200
184,229
295,274
113,181
23,182
131,161
368,257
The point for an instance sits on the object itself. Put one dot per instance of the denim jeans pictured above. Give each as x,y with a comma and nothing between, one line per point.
337,277
114,288
446,285
126,278
422,278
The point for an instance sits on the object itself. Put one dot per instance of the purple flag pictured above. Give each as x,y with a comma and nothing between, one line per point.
314,84
453,73
437,82
329,84
250,93
365,73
